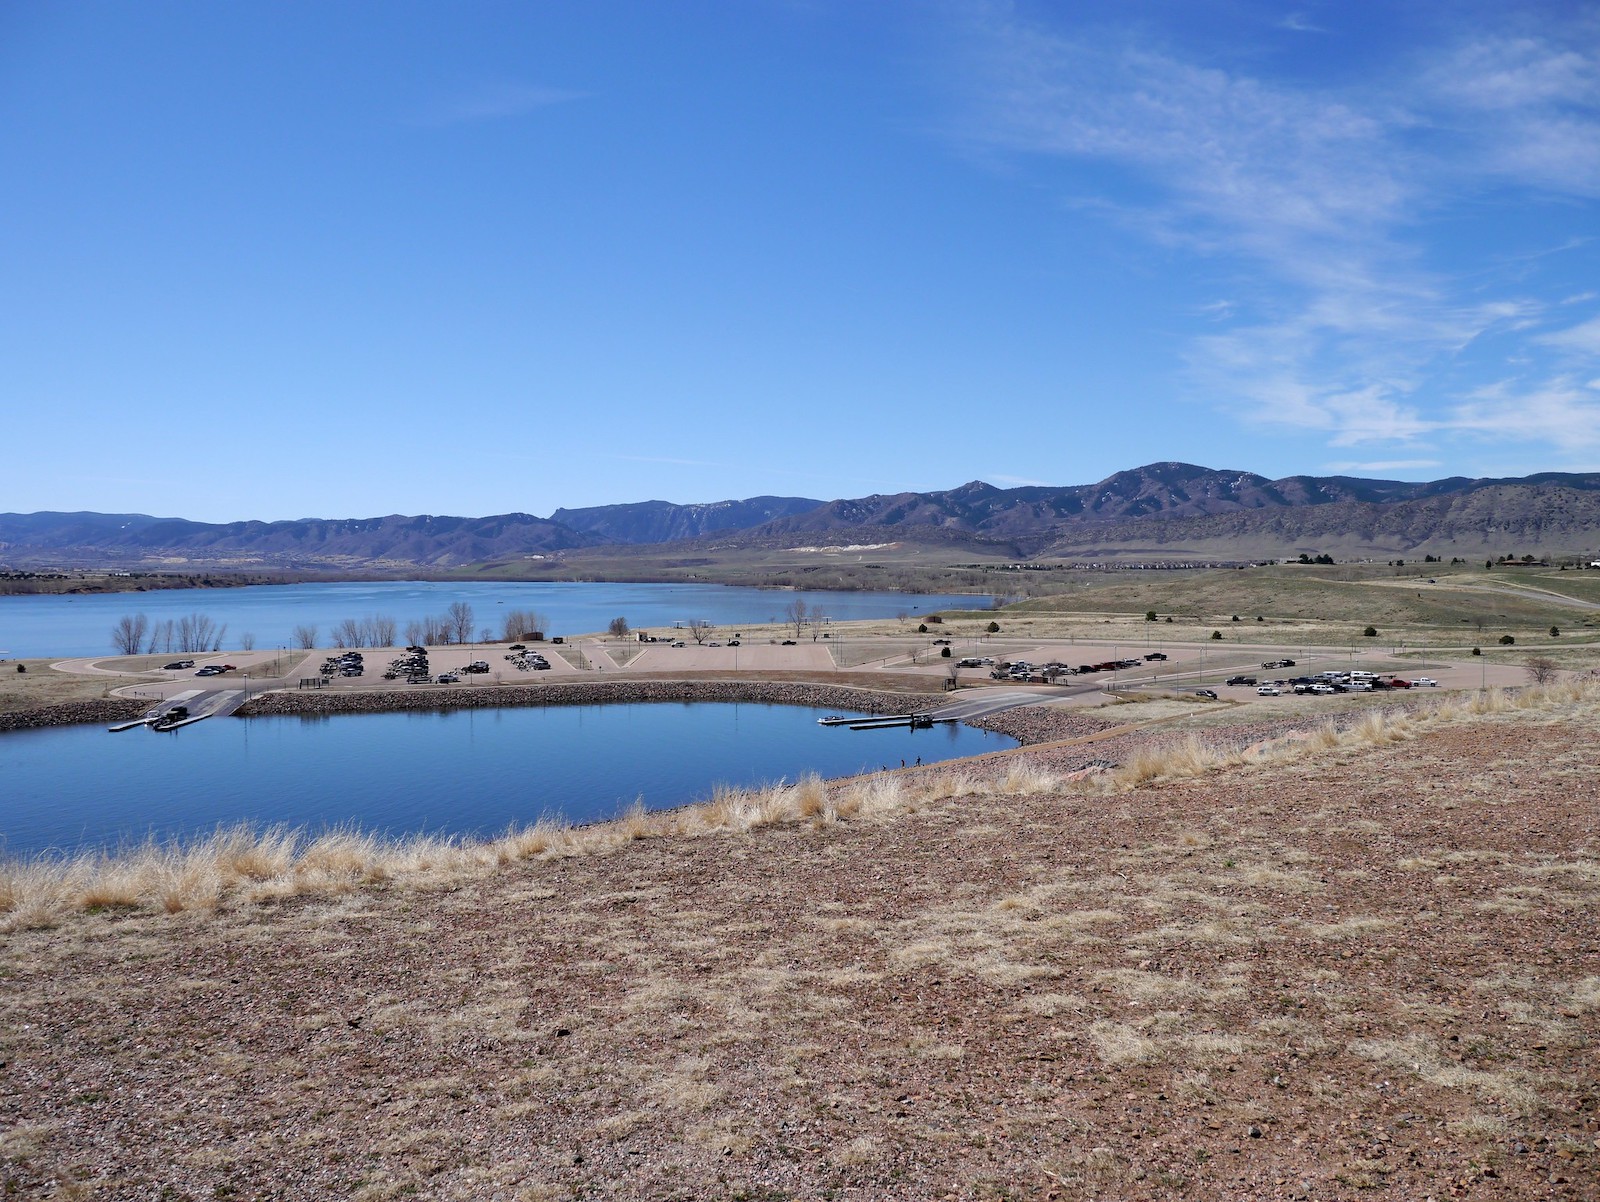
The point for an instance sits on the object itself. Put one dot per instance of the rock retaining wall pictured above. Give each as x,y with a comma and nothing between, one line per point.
111,709
1032,724
589,693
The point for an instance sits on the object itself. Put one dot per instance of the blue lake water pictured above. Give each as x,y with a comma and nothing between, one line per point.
459,772
41,625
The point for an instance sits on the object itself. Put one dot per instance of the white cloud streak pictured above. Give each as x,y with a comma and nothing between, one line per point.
497,102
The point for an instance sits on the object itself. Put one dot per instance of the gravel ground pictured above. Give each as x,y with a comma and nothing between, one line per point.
1372,975
1032,724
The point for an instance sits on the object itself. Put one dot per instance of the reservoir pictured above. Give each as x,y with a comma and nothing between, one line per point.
41,625
468,773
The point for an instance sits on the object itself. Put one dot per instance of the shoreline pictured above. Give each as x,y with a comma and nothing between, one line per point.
610,692
75,713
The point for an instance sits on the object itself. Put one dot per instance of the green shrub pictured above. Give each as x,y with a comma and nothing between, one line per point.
1216,634
1370,632
1506,640
944,652
994,627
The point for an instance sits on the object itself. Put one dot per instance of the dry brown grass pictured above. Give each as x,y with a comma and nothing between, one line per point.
42,686
245,864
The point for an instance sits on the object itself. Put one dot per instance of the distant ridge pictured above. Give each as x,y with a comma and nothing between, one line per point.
1161,509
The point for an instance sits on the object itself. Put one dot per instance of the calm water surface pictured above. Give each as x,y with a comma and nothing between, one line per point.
37,626
459,772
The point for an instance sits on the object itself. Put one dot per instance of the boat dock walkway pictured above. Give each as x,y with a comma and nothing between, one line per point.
200,704
974,705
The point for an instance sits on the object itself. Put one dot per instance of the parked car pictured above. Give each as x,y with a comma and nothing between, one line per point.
178,665
1205,693
1425,682
1323,688
788,642
1268,690
1155,655
1241,680
209,670
449,678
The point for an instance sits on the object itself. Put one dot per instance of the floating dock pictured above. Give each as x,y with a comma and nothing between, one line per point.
891,721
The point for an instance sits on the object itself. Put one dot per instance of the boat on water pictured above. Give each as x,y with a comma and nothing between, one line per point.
176,716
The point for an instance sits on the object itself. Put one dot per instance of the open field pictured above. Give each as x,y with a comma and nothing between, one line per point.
1459,600
1359,965
41,686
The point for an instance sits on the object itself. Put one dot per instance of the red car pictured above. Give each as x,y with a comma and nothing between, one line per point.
1397,683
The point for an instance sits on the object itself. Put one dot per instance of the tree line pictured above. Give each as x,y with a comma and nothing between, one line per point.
135,634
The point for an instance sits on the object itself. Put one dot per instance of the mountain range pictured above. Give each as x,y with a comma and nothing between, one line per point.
1161,510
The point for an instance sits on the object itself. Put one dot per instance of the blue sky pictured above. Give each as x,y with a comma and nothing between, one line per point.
287,260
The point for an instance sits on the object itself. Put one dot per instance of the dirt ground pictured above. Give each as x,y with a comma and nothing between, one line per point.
1371,974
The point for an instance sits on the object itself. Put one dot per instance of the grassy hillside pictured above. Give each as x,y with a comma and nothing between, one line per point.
1351,595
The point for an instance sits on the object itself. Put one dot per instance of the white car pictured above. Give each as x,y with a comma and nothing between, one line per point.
1322,689
1424,682
1268,690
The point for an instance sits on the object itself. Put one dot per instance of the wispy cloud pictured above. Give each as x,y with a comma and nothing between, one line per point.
1300,24
1381,465
1328,196
1584,338
497,102
1561,413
